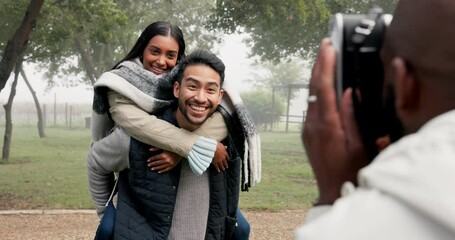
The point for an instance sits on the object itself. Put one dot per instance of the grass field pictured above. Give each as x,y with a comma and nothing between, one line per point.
50,173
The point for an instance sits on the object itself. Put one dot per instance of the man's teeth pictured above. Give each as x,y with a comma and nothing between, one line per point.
197,108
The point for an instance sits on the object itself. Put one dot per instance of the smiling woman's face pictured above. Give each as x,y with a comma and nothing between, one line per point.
160,55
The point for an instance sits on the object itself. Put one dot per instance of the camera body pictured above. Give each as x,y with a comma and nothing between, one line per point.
358,40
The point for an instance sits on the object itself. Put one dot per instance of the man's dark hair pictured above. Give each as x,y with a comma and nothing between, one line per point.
201,57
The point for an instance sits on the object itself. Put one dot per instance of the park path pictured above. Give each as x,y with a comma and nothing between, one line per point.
81,224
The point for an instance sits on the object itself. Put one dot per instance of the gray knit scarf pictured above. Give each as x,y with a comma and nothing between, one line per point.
160,89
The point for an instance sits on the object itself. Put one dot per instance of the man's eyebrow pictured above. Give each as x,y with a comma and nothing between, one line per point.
190,79
197,81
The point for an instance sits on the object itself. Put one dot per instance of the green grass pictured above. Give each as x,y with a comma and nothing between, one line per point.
46,173
50,173
287,180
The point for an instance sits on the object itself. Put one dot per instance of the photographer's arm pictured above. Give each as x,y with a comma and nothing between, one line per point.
148,129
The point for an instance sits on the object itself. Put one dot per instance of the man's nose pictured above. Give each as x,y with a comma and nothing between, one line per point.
200,96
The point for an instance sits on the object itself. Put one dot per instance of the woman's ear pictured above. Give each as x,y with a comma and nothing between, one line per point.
406,85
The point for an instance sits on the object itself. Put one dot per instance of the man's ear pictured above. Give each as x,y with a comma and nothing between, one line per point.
221,96
406,85
176,89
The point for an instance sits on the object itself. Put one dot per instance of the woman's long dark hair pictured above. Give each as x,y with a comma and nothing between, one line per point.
156,28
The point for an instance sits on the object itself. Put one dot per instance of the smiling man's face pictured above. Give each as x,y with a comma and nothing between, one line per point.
199,94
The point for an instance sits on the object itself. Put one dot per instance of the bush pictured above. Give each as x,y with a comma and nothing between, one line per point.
259,104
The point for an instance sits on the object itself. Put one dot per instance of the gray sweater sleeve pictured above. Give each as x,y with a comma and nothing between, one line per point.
106,156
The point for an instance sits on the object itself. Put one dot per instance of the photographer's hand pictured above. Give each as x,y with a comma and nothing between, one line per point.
331,138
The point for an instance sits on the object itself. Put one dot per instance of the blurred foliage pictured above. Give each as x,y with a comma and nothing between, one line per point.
68,36
77,40
277,28
260,107
282,29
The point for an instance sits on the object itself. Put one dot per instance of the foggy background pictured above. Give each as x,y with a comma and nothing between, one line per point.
268,48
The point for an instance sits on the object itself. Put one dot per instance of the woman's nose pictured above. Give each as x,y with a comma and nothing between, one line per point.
161,61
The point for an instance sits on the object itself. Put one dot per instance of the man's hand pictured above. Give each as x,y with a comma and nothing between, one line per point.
331,138
221,157
164,161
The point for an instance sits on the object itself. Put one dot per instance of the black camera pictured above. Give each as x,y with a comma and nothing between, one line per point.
358,39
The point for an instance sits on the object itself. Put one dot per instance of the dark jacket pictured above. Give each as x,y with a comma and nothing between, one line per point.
146,199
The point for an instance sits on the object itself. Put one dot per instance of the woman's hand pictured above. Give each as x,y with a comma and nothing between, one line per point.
164,161
221,157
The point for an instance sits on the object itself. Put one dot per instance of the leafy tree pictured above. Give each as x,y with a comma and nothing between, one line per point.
282,29
260,107
190,15
13,56
133,17
77,40
277,28
16,45
70,36
58,36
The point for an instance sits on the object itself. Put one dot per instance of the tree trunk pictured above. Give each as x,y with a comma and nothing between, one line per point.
37,105
17,44
8,115
90,69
